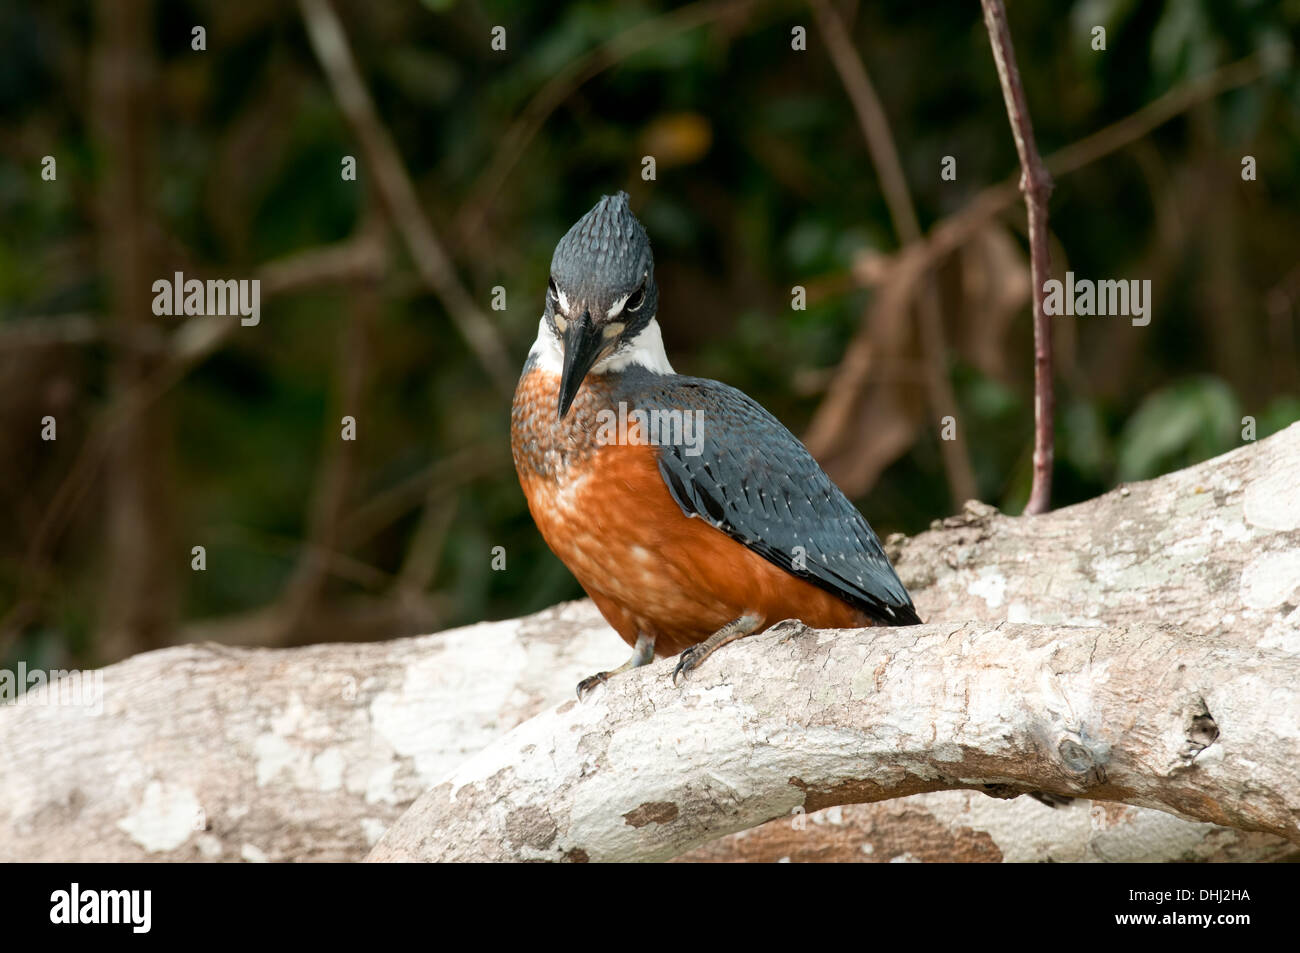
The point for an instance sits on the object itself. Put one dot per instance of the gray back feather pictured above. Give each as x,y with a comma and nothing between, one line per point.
757,483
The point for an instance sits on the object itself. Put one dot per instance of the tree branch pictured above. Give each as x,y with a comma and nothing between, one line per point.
1036,184
807,720
884,156
398,194
323,747
838,434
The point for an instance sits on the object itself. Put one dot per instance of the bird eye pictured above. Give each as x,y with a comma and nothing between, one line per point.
551,289
638,298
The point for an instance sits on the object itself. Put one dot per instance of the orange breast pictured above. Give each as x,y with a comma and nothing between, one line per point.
648,567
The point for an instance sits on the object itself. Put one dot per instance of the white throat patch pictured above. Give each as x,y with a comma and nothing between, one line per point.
547,349
645,350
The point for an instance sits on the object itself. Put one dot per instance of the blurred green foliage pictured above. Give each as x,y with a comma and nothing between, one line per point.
763,183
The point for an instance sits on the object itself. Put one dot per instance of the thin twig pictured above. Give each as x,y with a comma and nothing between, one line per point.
871,117
1036,184
398,194
953,232
384,507
335,476
61,329
362,257
1162,109
884,155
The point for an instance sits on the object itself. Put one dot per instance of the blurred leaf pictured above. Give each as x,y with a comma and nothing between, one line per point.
1281,413
1179,425
1183,44
988,397
1085,442
1087,14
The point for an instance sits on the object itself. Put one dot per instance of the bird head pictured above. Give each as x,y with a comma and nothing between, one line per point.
602,294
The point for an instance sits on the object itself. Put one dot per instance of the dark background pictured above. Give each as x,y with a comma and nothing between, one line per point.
225,163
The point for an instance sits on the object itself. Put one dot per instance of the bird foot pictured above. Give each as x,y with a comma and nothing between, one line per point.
642,654
588,685
688,661
693,657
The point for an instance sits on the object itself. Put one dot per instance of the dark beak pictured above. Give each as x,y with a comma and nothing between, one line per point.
582,345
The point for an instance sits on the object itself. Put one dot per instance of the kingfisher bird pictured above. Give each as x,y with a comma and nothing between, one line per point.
686,511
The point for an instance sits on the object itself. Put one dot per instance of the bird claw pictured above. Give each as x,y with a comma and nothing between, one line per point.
588,685
686,662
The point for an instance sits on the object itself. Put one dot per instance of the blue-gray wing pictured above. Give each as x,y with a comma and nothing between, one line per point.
747,475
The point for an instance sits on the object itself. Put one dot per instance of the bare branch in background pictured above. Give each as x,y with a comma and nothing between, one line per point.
884,155
444,476
837,428
360,258
63,329
141,594
335,476
363,257
1036,184
1248,69
398,194
950,233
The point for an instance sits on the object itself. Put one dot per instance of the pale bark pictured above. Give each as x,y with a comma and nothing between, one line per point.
207,752
312,753
1141,714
